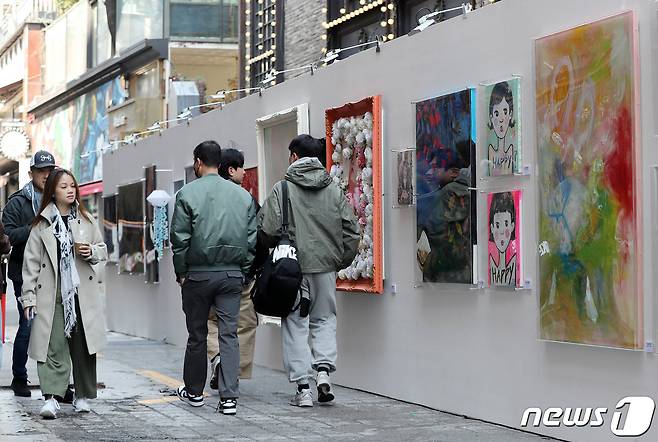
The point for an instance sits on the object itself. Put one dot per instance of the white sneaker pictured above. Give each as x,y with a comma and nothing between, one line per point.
50,409
228,406
324,387
303,398
185,396
81,405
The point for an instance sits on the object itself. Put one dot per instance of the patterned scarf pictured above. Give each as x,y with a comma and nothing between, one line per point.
68,273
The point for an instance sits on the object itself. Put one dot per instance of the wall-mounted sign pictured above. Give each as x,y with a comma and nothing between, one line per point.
14,143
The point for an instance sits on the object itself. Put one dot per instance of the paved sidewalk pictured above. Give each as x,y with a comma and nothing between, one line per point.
137,404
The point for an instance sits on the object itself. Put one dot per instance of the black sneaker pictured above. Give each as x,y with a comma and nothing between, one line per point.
183,395
228,406
214,377
68,396
20,387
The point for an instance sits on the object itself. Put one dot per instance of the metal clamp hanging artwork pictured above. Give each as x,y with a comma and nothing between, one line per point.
159,199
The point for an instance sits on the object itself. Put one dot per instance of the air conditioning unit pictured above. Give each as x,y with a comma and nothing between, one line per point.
183,94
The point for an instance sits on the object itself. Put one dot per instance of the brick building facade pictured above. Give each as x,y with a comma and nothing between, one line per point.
278,35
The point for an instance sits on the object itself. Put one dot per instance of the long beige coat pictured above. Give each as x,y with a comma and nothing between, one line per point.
40,276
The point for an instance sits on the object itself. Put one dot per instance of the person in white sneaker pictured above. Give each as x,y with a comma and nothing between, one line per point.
81,405
61,294
326,232
50,408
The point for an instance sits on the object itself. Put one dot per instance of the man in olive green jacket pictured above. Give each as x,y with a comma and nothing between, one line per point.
326,233
213,237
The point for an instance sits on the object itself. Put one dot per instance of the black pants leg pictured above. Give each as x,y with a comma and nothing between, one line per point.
197,299
22,340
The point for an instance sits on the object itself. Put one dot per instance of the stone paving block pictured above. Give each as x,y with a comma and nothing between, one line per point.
137,405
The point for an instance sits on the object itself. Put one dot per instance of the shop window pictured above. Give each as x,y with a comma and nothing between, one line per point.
147,83
412,10
204,19
102,40
138,20
360,24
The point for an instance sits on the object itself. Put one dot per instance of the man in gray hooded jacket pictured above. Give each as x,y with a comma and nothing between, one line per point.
326,233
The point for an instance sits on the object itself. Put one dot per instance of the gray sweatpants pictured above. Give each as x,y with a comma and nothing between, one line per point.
299,359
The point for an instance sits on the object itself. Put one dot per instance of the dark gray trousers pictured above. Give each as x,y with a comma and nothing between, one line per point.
201,291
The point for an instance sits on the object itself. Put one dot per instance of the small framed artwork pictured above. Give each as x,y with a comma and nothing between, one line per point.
403,177
503,127
504,249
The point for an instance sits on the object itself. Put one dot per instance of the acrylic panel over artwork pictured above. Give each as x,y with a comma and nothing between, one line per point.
405,174
445,146
587,153
504,230
503,127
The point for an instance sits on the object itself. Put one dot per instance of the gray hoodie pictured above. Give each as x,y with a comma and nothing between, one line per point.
322,223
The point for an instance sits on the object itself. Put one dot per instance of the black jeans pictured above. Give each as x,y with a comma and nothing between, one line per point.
19,357
201,291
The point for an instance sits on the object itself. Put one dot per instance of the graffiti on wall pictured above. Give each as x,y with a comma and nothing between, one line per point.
75,132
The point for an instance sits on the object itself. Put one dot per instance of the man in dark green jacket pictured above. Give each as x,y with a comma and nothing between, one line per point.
213,237
326,232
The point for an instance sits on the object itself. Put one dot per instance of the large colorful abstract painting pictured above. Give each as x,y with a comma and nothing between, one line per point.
504,229
503,127
588,220
445,173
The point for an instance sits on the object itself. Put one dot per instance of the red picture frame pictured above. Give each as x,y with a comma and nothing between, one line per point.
250,181
372,105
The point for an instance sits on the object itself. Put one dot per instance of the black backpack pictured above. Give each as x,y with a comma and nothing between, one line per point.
279,280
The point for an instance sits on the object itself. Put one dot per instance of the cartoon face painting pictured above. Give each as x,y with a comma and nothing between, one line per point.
502,127
502,230
504,238
500,118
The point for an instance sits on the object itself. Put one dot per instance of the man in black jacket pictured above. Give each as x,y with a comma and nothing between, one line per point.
17,220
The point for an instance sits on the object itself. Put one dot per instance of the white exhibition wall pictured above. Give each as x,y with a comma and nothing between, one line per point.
471,352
